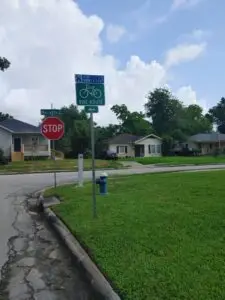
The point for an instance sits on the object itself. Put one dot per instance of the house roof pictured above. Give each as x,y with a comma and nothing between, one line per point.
17,126
124,138
148,136
207,137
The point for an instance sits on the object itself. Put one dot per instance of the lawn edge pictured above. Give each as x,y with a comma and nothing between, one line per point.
99,283
57,171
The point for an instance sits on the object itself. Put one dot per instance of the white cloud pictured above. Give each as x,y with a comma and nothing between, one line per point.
196,35
187,95
47,42
183,53
175,6
200,34
114,33
180,4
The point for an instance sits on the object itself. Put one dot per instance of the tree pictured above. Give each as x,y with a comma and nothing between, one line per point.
102,135
164,110
173,121
194,121
132,122
121,112
221,128
4,63
4,117
77,132
217,112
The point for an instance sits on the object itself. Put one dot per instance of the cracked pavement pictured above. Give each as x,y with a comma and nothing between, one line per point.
33,264
38,267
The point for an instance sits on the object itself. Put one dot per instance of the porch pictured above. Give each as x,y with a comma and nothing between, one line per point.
139,151
25,146
210,148
147,150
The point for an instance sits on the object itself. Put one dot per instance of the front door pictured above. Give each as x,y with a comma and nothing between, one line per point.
17,144
139,150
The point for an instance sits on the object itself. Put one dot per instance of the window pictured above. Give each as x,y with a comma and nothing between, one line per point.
158,149
34,140
121,149
151,149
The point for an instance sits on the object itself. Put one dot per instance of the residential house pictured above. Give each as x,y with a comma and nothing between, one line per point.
207,143
20,140
127,145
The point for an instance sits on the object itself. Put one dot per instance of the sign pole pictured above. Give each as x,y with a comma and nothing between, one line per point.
90,93
53,156
93,166
80,169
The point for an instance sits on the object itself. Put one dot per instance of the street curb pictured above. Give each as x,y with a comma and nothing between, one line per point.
53,171
97,280
186,165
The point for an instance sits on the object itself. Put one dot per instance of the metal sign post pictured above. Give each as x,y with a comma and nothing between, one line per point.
52,128
90,93
80,170
93,166
53,157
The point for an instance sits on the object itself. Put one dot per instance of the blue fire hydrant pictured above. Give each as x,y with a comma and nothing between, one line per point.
102,182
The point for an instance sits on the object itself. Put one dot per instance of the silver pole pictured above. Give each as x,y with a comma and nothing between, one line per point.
93,166
53,156
219,140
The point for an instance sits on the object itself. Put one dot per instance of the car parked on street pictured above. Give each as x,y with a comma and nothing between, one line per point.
108,155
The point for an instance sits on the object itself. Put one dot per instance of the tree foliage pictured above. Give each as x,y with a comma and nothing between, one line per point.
132,122
164,110
4,117
172,119
4,63
77,134
217,112
165,115
221,128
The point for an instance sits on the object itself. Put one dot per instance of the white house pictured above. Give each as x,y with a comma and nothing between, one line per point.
207,143
20,140
127,145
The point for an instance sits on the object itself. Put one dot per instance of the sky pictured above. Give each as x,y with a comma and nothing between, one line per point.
137,45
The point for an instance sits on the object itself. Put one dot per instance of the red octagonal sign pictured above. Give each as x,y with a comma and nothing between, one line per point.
52,128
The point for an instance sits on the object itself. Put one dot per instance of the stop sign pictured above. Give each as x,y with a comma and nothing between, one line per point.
52,128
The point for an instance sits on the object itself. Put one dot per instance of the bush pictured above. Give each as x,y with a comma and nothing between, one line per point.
32,158
167,144
1,154
216,152
3,160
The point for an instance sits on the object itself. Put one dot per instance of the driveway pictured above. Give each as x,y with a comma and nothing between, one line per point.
19,228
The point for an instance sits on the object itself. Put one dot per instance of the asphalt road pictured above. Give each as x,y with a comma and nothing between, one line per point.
15,221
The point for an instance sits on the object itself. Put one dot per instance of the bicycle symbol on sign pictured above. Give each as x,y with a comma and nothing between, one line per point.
90,90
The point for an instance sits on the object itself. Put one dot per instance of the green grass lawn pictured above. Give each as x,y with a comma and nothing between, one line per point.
179,160
48,164
157,236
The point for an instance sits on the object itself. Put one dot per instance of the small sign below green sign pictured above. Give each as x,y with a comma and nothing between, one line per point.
91,109
50,112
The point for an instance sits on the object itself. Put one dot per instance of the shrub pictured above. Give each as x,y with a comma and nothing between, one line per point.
216,152
3,160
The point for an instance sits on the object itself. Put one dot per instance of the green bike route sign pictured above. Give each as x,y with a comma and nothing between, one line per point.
90,90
